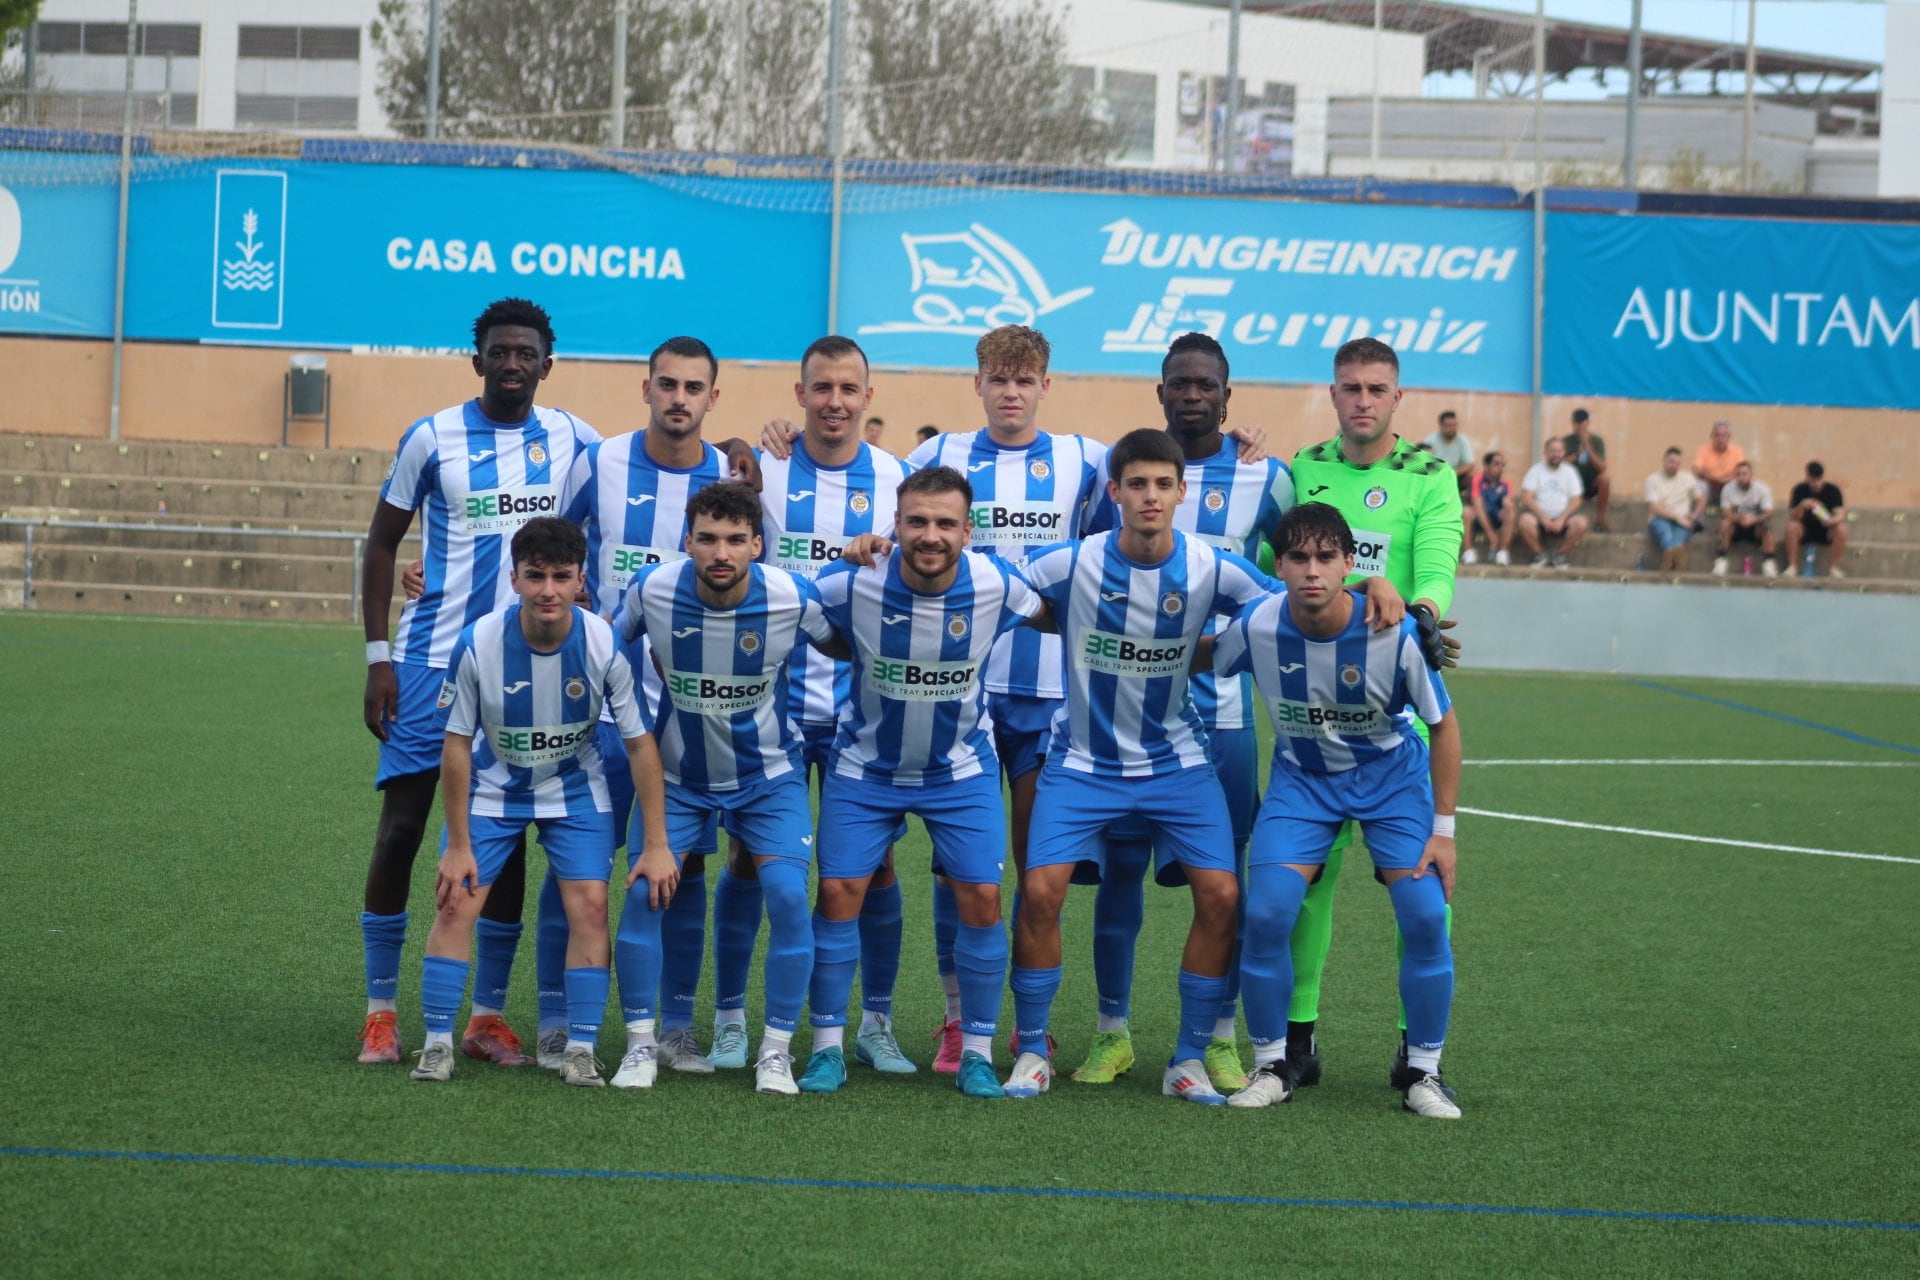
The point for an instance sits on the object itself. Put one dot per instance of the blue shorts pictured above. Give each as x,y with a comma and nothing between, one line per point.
1233,752
578,848
964,818
1391,798
771,815
1670,535
1021,727
1185,814
414,735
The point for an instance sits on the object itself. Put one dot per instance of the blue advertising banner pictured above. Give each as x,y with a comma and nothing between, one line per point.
1112,279
1733,309
56,249
404,256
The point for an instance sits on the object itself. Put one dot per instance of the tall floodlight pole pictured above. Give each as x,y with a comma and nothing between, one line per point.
120,236
1631,163
433,68
1746,116
1539,212
1373,142
619,107
1233,86
836,146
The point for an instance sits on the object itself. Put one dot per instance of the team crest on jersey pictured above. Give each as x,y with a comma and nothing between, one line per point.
1350,675
1172,603
749,642
537,454
956,625
446,695
576,688
1215,500
1376,498
1039,469
859,503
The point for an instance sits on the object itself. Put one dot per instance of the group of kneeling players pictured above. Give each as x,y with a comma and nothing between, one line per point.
1089,621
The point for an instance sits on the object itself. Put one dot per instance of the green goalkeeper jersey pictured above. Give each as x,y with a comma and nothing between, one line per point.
1404,510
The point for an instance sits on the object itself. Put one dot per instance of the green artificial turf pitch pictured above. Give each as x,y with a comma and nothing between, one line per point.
1663,1048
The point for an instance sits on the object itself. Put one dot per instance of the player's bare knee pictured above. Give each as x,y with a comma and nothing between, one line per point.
841,899
978,904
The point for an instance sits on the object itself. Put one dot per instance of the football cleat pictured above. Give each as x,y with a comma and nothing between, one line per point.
773,1073
729,1047
1429,1096
976,1078
826,1071
639,1069
436,1064
1268,1087
1032,1076
579,1067
551,1047
380,1038
946,1039
679,1051
490,1039
1188,1082
1223,1064
1403,1075
1109,1057
877,1048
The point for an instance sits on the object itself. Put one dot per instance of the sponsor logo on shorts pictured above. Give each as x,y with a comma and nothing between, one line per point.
525,748
1126,656
504,510
908,681
699,694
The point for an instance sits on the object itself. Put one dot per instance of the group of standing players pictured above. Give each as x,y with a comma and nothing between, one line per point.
1089,622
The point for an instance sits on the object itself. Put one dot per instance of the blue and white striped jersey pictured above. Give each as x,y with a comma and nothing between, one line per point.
1129,631
1024,501
1336,703
633,509
532,714
917,714
477,481
1231,506
812,512
725,670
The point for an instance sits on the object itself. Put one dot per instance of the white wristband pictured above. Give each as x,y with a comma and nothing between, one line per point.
378,651
1443,825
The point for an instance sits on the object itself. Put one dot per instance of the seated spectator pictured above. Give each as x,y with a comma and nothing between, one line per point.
1588,454
1674,501
873,431
1714,462
1816,515
1746,517
925,434
1488,509
1454,449
1550,496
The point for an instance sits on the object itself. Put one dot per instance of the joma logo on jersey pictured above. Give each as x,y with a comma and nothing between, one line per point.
490,506
633,559
791,546
992,517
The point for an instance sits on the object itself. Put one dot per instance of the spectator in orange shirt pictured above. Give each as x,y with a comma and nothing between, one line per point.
1714,462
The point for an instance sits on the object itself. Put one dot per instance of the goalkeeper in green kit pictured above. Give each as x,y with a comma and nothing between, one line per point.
1404,507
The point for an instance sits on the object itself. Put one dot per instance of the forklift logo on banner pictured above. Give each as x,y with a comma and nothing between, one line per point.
249,249
945,266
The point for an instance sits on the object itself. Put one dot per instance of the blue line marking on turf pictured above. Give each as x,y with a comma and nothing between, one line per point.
940,1188
1849,735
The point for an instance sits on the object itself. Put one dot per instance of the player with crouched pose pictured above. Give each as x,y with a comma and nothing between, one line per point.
529,683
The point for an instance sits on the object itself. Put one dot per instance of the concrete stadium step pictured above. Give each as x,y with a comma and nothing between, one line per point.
166,535
209,501
114,597
322,575
1873,524
1585,573
1622,552
161,459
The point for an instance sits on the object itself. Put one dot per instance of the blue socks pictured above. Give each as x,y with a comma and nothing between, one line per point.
443,984
1033,992
586,1002
881,924
736,926
636,954
550,954
1199,1006
683,931
494,945
1272,899
789,942
836,949
1119,909
980,961
382,937
946,925
1426,966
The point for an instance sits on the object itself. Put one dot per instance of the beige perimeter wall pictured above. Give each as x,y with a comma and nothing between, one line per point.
195,392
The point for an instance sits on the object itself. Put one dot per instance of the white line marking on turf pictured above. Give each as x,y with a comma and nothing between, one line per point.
1675,835
1797,764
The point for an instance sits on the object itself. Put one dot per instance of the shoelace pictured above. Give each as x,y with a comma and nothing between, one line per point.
780,1064
379,1032
636,1056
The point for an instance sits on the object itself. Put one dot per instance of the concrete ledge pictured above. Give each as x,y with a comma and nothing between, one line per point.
1645,628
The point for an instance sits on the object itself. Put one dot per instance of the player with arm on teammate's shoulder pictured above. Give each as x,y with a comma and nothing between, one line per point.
519,709
722,627
1130,606
1343,701
475,473
914,739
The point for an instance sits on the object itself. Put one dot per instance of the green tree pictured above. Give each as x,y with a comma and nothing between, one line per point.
970,80
16,15
756,77
539,72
